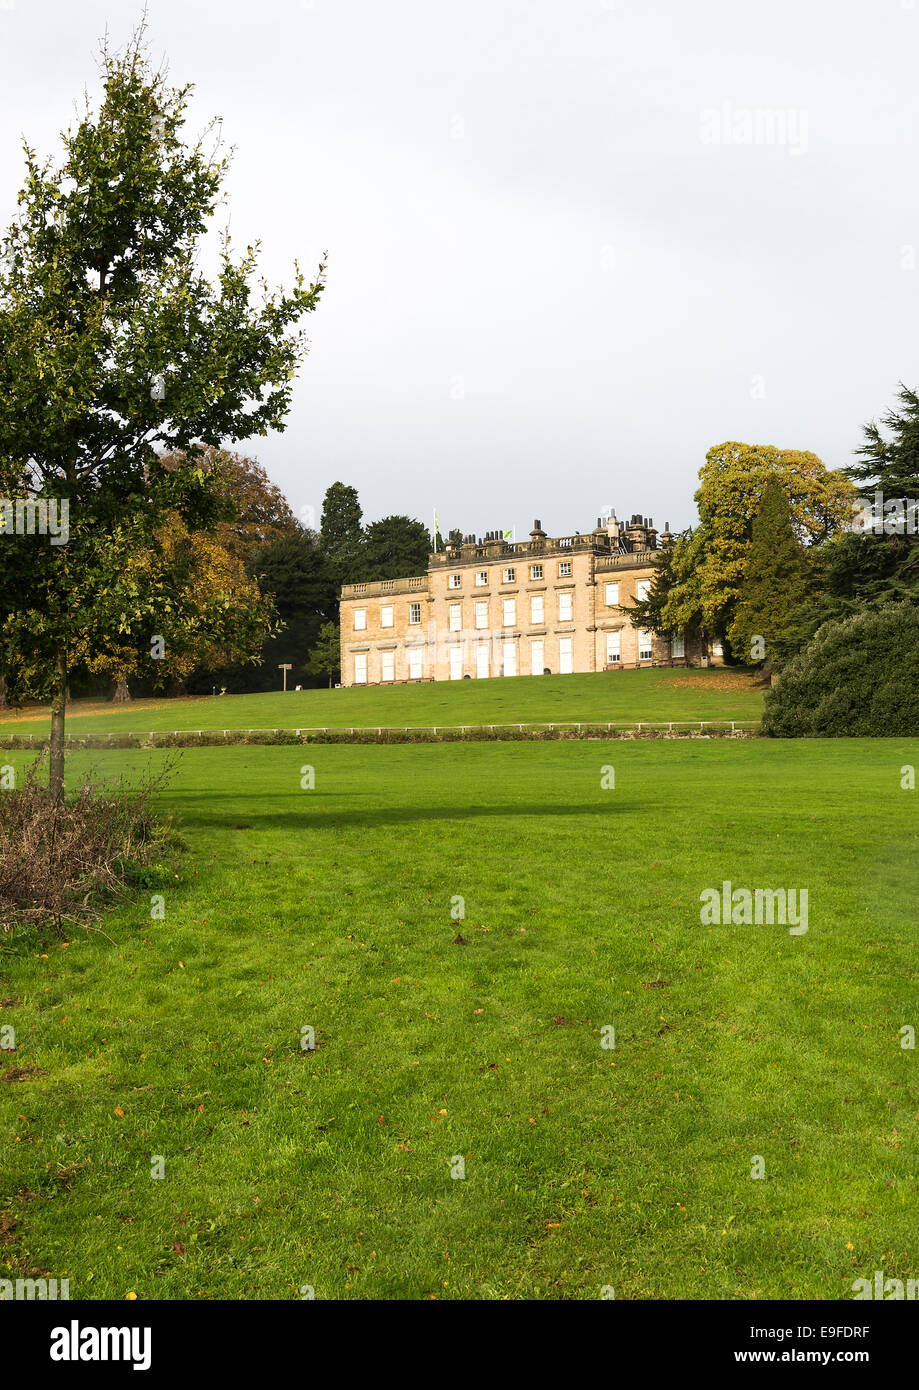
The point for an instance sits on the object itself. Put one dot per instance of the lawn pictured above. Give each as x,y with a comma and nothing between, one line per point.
586,1167
618,696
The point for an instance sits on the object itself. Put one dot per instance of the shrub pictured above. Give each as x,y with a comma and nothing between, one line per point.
858,677
62,861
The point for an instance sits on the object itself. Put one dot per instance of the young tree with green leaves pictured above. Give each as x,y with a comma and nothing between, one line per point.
116,348
325,658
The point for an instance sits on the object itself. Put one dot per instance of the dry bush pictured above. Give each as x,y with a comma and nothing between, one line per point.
63,861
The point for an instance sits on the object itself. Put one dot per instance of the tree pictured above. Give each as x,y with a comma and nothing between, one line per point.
709,564
215,613
672,602
256,512
766,618
325,658
396,547
341,529
857,678
295,573
892,463
116,348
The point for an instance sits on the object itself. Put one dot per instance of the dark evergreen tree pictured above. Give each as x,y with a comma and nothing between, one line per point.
395,548
294,571
890,462
856,679
767,622
341,530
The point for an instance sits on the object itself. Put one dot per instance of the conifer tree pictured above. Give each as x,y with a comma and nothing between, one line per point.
765,626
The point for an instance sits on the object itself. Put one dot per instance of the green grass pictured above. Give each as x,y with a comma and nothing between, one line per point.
585,1167
618,696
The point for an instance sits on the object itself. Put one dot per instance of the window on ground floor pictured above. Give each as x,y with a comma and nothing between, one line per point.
537,656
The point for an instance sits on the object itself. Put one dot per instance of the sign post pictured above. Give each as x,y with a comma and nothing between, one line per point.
284,666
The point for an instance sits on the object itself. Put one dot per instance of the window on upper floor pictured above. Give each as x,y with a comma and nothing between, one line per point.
481,578
508,575
564,569
360,619
386,615
536,571
414,612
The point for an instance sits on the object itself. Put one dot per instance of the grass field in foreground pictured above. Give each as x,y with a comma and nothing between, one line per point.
655,694
584,1167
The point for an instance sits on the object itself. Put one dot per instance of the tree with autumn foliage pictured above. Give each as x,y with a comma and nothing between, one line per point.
707,566
116,350
213,613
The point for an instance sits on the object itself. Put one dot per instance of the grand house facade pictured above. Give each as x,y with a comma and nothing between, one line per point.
499,608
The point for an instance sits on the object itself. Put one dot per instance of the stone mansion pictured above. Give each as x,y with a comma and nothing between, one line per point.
497,608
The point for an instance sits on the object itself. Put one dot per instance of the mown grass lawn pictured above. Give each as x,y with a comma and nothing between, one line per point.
584,1167
655,694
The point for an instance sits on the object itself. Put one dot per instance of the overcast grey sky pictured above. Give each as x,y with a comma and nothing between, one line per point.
572,243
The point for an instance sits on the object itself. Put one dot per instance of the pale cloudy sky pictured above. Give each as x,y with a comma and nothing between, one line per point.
564,258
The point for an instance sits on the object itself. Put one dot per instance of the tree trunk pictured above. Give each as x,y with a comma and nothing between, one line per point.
122,693
58,707
4,702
